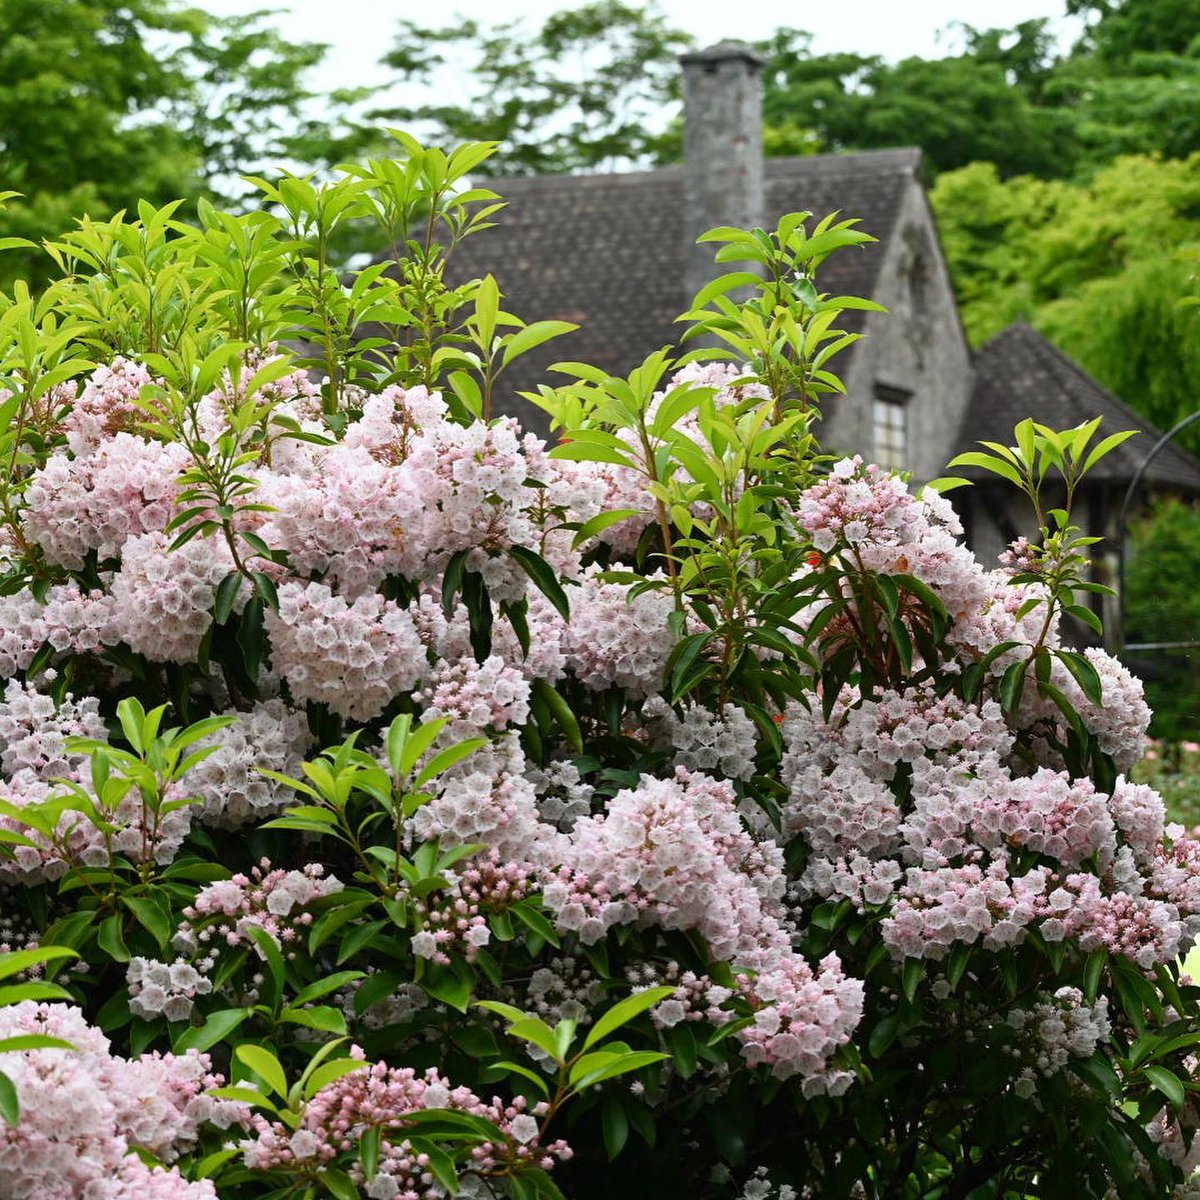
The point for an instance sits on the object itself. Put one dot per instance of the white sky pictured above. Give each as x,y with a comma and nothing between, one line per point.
359,31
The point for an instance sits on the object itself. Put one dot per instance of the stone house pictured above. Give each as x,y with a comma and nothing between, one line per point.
616,254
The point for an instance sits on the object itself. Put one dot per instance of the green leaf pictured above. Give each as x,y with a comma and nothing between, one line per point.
330,1072
404,753
622,1065
1012,685
111,940
599,523
988,462
33,1041
550,696
227,594
533,336
512,1068
1168,1083
339,1184
534,920
151,917
614,1124
16,961
1084,673
449,986
318,1016
526,1027
265,1065
445,759
914,972
274,959
10,1104
1091,974
368,1150
883,1035
322,987
625,1011
34,990
544,577
452,580
216,1028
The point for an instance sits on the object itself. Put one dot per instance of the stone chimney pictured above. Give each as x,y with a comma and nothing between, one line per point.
722,150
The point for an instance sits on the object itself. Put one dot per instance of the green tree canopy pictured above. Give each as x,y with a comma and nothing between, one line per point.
1100,267
1163,605
581,92
103,102
980,104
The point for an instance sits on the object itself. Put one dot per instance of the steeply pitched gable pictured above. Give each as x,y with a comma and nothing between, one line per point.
1020,374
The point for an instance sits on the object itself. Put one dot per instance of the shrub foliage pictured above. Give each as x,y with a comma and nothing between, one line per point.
407,808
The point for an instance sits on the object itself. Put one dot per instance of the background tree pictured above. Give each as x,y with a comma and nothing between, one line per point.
582,92
103,102
1100,267
983,103
1163,604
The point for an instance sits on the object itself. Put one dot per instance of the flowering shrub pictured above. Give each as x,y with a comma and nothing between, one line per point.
432,810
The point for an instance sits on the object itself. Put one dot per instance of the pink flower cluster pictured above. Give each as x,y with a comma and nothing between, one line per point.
275,901
978,849
381,1097
353,522
487,798
107,405
85,1111
354,656
162,600
125,486
475,697
1061,1027
674,853
131,829
614,639
455,920
393,495
802,1016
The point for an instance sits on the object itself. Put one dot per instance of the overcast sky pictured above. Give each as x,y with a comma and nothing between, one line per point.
359,31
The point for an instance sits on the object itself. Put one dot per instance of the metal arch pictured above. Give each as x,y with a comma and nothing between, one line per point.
1123,516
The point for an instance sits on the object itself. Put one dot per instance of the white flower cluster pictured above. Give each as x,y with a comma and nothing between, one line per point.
566,989
233,789
353,656
563,797
760,1187
487,798
34,731
162,602
721,743
1059,1029
164,989
615,639
22,631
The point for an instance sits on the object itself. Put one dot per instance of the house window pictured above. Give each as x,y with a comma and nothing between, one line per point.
890,419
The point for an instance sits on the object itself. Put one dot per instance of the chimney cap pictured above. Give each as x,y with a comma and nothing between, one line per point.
726,51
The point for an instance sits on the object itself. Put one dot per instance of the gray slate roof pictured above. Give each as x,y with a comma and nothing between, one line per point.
607,252
1020,374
